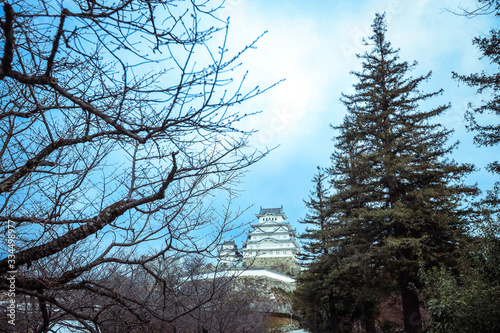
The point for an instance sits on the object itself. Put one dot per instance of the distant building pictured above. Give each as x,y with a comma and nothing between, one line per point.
272,243
229,254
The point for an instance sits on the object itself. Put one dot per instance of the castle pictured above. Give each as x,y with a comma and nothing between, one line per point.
271,244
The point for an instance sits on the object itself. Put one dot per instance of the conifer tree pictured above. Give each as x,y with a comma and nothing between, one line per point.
487,134
468,301
315,239
399,199
336,287
315,296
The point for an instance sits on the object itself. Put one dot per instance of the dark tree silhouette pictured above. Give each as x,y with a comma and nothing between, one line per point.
403,198
396,200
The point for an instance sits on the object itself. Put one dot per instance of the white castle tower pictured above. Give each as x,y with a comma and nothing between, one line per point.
229,254
272,243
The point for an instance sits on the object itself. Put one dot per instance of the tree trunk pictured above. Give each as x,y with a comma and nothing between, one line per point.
334,322
411,305
369,323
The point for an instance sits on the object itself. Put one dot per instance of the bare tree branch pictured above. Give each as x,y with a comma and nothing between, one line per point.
119,140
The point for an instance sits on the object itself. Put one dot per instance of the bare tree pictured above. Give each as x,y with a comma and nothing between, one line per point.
116,125
233,305
178,299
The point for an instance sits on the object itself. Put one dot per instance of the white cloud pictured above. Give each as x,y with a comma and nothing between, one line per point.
288,51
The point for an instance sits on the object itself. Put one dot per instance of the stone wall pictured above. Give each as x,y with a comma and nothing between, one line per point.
272,296
285,265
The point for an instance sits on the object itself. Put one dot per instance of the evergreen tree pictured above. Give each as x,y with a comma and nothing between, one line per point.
336,287
467,300
489,134
315,239
314,295
399,199
334,292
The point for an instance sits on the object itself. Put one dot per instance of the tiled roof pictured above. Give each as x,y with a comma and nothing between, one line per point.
264,211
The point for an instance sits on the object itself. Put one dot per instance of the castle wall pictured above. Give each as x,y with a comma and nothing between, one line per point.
285,265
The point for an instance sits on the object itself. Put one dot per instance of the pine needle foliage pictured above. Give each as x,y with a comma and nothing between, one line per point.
403,197
487,133
398,201
315,239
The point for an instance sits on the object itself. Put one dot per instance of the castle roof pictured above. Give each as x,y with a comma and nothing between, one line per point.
275,240
277,225
273,211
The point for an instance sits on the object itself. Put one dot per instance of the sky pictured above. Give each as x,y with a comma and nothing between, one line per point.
313,46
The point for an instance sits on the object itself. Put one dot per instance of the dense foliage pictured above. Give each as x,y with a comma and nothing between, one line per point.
468,299
397,199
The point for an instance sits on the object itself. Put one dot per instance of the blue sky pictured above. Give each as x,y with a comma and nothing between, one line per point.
312,44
